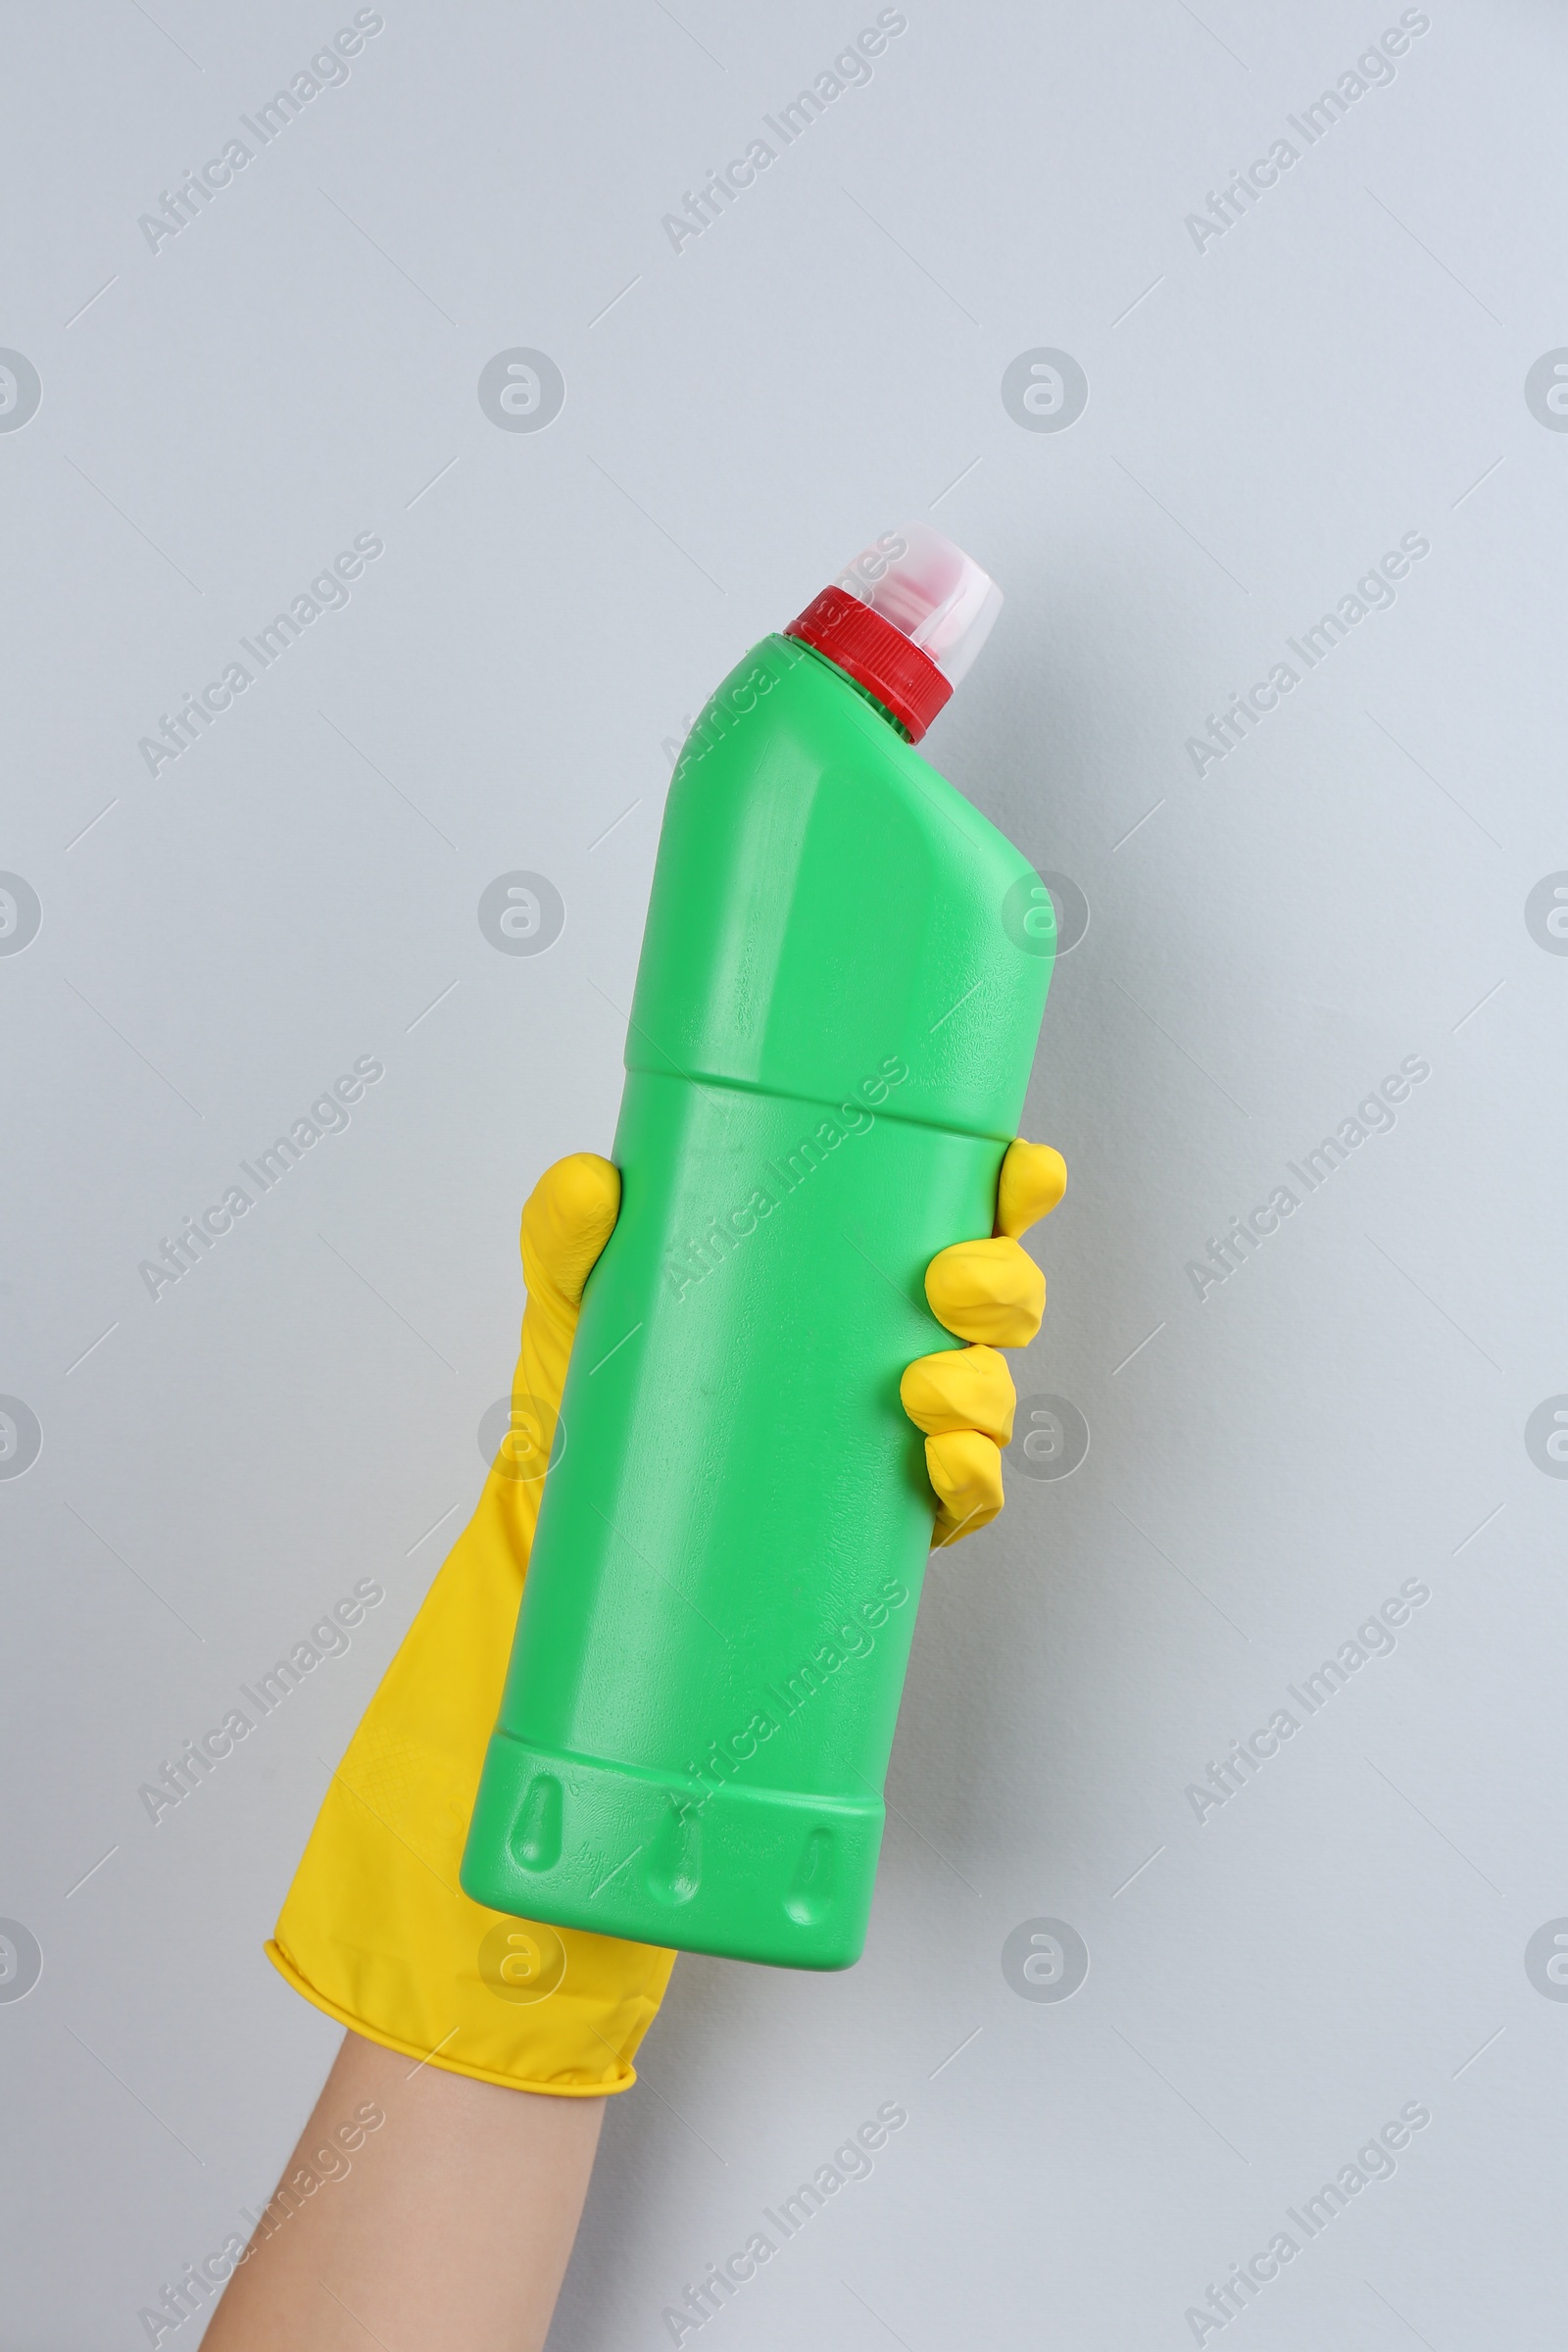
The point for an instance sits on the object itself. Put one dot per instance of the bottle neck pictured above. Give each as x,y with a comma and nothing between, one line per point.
864,694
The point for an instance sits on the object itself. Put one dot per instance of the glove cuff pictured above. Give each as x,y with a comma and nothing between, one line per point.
619,2073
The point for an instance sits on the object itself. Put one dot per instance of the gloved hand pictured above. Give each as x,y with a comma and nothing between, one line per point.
375,1928
991,1292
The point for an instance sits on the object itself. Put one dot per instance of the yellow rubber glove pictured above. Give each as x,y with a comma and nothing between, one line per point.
994,1294
375,1928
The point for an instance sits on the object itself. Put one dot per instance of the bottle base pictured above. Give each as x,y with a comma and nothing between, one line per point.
749,1873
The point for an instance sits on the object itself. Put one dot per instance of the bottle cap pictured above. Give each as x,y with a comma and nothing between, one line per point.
905,620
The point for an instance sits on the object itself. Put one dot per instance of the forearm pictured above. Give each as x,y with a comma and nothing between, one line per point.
449,2229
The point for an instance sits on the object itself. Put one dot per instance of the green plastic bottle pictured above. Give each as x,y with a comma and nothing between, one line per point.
837,1007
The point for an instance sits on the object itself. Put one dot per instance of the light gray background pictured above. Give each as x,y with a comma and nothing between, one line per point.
1265,417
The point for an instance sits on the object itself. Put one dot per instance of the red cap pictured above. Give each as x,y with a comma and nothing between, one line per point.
904,621
876,655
